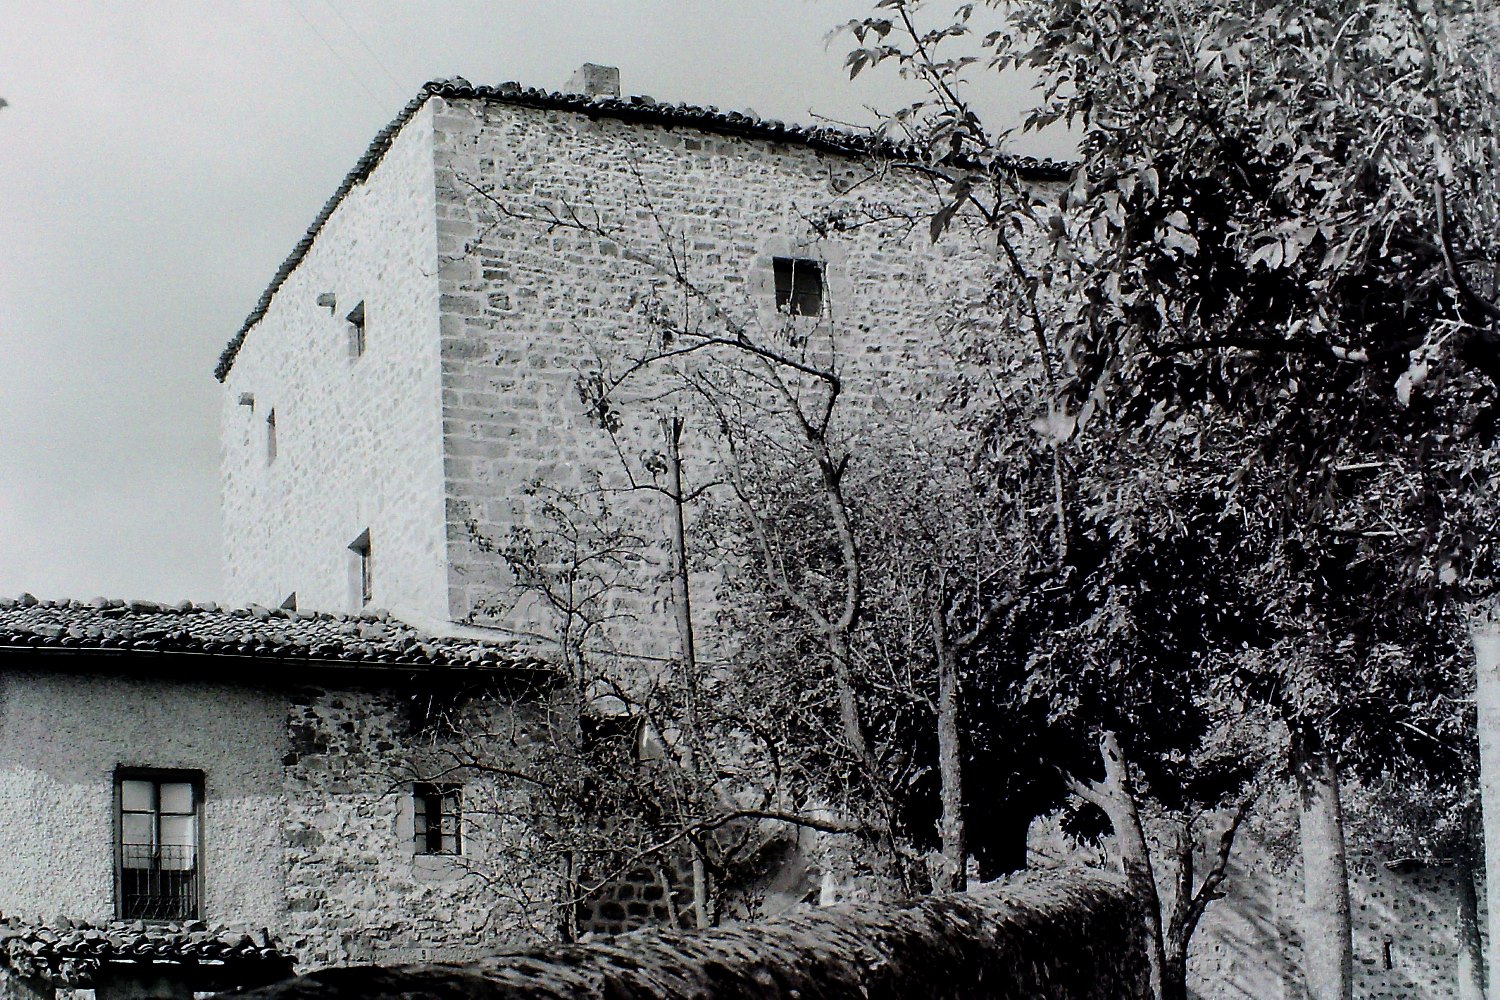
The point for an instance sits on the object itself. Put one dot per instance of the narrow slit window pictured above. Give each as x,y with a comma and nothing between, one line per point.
271,436
799,285
354,325
361,578
437,819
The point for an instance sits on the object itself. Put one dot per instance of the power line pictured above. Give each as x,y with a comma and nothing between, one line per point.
342,61
401,91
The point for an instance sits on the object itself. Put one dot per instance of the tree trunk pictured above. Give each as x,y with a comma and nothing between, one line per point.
1485,635
1189,897
1470,945
953,877
1118,802
1327,935
1174,976
1179,923
682,609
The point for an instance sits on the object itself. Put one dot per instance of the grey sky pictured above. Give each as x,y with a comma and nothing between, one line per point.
157,162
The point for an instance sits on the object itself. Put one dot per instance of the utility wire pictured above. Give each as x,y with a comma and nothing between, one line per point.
342,61
401,91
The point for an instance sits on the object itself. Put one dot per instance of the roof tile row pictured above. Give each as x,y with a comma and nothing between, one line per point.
633,109
70,953
374,638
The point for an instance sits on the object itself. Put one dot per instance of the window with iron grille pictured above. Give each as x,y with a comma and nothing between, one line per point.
799,285
437,819
158,845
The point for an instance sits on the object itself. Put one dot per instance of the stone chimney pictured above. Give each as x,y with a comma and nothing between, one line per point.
594,81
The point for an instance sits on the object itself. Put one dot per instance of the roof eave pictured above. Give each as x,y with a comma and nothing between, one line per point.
633,110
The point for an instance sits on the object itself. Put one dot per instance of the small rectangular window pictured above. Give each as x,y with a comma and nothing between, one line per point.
361,579
799,285
437,819
271,436
158,844
355,325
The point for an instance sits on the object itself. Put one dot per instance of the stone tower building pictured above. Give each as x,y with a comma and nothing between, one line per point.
414,364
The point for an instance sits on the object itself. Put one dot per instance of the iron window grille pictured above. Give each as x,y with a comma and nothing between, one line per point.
437,819
799,285
158,845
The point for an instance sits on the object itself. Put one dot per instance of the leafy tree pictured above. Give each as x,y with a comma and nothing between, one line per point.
1285,213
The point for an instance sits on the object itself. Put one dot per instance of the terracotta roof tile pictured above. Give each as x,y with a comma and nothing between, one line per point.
375,638
68,953
630,109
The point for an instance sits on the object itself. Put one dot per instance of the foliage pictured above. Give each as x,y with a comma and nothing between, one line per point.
1272,331
1275,260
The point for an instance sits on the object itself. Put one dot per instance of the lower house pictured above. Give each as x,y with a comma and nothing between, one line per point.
200,798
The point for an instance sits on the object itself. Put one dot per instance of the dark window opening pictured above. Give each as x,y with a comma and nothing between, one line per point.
271,436
158,845
611,734
437,819
799,285
356,329
361,575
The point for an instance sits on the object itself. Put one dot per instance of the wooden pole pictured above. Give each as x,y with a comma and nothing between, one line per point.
1485,635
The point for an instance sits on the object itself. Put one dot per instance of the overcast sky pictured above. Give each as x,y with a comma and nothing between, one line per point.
158,161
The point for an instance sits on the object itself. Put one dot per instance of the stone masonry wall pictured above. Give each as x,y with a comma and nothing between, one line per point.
307,812
1405,931
356,889
526,307
358,439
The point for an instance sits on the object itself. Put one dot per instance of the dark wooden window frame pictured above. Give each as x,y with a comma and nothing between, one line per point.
158,776
800,285
431,801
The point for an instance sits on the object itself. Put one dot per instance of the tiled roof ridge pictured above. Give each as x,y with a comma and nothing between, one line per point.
632,109
371,637
70,953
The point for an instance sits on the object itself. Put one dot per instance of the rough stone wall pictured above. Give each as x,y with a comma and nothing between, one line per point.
62,736
1061,935
356,889
646,897
307,814
1248,947
525,307
358,439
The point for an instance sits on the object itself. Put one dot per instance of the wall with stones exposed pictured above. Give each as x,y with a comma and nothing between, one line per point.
61,737
356,890
526,306
358,439
1248,944
307,822
1405,931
